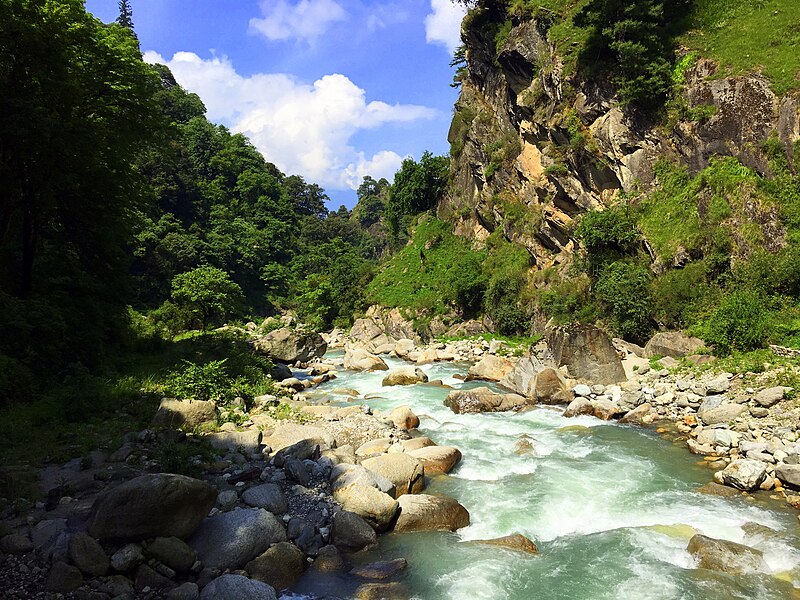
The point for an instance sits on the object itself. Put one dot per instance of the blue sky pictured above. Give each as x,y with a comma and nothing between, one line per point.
328,89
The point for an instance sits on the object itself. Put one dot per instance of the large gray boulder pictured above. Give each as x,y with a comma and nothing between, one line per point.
280,566
290,345
481,400
437,459
248,441
365,493
716,409
422,512
725,556
672,343
289,434
237,587
86,554
268,496
588,354
359,359
788,474
404,471
230,540
745,474
187,414
352,533
405,376
491,368
522,378
551,388
150,506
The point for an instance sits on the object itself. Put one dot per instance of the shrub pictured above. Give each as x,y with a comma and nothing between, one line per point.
608,234
624,288
740,322
209,381
510,319
206,293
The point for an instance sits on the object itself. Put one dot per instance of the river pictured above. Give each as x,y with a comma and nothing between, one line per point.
611,508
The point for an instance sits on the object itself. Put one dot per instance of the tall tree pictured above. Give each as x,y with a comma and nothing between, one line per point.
125,17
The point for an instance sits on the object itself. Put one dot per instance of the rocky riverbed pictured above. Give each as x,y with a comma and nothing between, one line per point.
288,497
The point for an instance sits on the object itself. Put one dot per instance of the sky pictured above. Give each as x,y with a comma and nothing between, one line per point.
328,89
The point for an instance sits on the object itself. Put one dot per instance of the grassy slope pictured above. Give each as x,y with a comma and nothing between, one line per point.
747,35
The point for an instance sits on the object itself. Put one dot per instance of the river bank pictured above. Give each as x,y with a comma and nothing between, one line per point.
577,484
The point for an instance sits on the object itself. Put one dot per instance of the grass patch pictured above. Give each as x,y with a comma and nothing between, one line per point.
743,36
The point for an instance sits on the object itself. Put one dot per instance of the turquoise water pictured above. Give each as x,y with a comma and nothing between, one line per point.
610,507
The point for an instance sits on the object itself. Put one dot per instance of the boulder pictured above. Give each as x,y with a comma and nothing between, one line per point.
430,513
351,533
404,471
490,368
771,396
230,540
550,387
147,577
280,566
382,591
127,558
417,443
788,474
579,406
606,409
329,559
288,345
360,360
745,474
644,414
725,556
248,441
587,352
672,343
237,587
63,578
268,496
373,505
16,543
186,414
515,541
151,505
86,554
403,347
437,459
174,553
372,447
405,376
185,591
522,378
404,418
482,399
715,409
289,434
384,569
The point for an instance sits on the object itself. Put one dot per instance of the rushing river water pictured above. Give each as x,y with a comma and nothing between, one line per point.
610,507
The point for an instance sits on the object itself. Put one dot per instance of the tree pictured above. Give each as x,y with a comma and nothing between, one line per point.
417,187
637,38
206,293
125,17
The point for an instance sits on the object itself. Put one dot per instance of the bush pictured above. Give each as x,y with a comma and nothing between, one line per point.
200,382
624,288
206,293
740,322
608,235
510,319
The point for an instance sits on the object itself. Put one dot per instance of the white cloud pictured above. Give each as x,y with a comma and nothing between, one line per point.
443,25
304,129
306,20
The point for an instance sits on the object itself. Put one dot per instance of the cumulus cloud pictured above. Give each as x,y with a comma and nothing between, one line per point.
443,25
303,128
306,20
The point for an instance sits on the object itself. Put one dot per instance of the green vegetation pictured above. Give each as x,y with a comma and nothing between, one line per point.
437,271
745,36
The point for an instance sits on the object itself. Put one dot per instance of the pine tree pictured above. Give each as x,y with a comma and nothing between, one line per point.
125,17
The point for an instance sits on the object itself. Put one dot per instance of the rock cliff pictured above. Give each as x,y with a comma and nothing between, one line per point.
534,147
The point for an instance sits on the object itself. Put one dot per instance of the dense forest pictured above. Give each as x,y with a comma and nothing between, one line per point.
127,215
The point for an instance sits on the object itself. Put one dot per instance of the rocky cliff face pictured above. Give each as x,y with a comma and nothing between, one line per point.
533,149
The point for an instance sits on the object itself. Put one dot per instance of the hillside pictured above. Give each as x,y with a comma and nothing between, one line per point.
692,148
